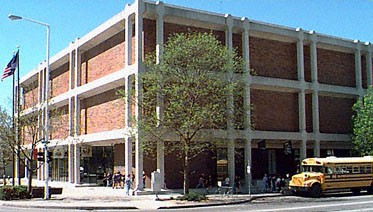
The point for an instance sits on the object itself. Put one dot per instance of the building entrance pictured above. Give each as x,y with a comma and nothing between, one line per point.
95,161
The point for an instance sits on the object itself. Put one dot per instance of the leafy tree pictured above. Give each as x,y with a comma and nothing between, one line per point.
6,134
363,124
185,92
30,130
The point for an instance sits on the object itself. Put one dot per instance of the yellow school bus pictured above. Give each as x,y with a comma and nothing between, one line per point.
332,173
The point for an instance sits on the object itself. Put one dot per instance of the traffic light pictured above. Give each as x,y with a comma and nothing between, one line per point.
50,158
40,156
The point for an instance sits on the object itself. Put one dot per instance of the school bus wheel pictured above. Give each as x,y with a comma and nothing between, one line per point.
315,190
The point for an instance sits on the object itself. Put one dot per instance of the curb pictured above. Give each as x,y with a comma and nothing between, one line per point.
217,204
71,207
102,207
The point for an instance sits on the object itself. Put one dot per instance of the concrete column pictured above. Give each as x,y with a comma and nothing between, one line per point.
358,74
70,155
247,100
316,148
71,116
160,29
300,55
77,82
313,49
302,120
77,163
316,122
128,155
128,38
138,93
230,102
315,95
128,100
71,69
76,116
248,161
369,68
77,61
301,94
160,103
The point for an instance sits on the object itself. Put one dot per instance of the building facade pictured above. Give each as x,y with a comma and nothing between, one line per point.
302,94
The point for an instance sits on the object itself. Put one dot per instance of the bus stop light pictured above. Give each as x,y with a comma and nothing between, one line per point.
40,156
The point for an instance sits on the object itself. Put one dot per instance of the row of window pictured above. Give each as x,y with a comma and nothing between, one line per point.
363,169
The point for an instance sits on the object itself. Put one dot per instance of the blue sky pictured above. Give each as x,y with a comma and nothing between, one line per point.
69,19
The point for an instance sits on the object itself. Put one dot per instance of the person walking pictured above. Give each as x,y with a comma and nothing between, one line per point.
265,183
127,185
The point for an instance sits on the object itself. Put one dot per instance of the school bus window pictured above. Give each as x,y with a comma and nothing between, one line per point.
312,168
349,169
328,170
338,170
368,169
356,170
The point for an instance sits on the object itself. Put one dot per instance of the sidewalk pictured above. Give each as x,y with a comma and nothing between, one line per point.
91,198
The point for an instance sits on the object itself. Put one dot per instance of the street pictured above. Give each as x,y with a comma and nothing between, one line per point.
342,202
334,202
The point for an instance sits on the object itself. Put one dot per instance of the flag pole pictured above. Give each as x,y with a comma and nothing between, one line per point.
14,132
17,129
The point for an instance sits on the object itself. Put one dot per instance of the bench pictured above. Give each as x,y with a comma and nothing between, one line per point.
38,192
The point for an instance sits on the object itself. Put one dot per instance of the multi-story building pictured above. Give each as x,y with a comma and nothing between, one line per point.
304,86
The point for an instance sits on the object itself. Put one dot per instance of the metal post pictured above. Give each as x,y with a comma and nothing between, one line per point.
46,96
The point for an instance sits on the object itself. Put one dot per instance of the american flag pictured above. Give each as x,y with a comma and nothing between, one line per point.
11,67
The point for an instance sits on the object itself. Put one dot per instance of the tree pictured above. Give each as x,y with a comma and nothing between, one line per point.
185,93
29,130
363,124
6,135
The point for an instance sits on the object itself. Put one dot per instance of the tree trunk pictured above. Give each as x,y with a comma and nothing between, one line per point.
29,183
186,174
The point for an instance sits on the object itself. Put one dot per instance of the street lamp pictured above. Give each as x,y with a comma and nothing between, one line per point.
46,124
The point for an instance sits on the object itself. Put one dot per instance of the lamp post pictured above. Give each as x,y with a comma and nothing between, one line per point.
46,95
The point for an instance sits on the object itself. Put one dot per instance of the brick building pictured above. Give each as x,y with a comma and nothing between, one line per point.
302,93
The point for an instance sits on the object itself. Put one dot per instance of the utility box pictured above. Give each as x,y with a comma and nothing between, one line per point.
156,181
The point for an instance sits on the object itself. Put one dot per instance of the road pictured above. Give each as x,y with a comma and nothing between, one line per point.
336,202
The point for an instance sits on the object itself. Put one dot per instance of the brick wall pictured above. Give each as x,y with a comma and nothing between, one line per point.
275,111
103,59
170,29
364,71
335,68
309,119
30,95
150,36
103,112
307,63
60,123
335,114
60,80
275,59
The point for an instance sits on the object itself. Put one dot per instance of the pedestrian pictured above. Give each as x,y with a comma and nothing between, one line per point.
108,180
117,178
128,184
143,179
236,184
273,181
265,184
201,181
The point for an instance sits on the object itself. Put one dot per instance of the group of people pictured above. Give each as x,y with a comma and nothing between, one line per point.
203,181
119,180
274,183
